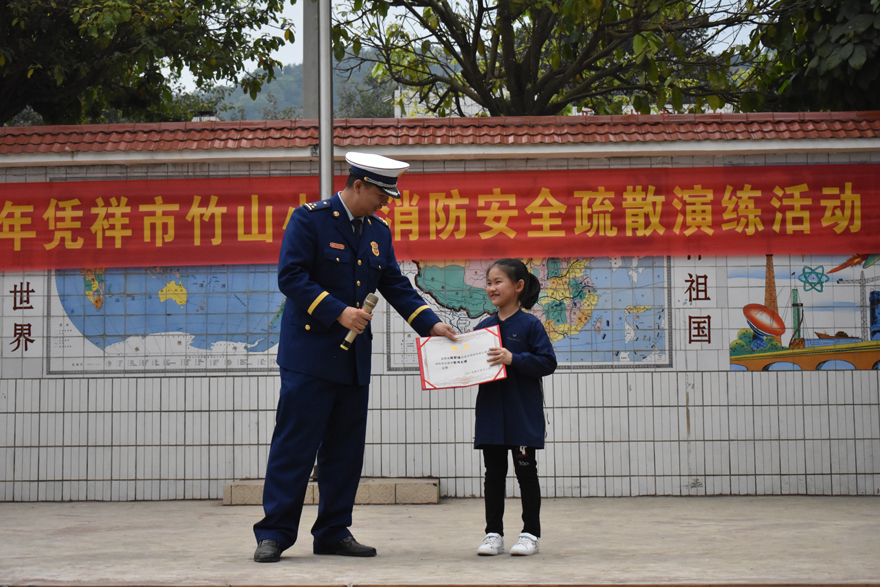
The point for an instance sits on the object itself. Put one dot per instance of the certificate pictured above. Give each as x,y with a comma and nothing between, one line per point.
462,362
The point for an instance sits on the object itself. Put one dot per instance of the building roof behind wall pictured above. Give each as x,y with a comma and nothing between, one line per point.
566,134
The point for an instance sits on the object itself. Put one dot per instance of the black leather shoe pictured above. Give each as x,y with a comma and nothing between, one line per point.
348,546
268,551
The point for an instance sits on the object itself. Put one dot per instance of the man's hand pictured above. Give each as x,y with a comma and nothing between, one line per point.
354,319
442,329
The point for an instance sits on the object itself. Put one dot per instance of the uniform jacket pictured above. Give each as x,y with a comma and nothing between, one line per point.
510,412
321,270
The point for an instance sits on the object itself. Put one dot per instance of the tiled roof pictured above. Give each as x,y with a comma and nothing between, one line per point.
191,136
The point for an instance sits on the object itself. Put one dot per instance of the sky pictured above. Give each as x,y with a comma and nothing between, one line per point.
293,53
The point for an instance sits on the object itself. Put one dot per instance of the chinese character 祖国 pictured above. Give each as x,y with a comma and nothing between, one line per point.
698,289
699,329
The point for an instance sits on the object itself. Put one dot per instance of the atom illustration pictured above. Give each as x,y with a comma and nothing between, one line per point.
814,278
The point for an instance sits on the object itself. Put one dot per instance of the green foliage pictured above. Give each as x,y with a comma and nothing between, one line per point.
772,344
283,97
546,57
825,55
77,61
739,348
371,98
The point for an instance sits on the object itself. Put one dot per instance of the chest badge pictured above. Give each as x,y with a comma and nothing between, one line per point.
337,246
375,248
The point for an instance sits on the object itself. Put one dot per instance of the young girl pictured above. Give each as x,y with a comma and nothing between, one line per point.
510,412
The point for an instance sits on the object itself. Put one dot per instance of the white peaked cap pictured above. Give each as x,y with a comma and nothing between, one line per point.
378,170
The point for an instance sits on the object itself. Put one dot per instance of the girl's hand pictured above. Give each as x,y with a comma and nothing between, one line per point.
500,356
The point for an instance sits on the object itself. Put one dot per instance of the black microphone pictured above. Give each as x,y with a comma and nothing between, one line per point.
369,304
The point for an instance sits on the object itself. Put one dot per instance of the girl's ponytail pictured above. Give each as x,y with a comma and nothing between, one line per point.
516,270
531,291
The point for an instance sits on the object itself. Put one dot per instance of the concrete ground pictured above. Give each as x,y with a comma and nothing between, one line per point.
688,540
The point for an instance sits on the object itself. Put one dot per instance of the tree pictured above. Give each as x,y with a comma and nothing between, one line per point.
825,55
73,60
372,98
546,57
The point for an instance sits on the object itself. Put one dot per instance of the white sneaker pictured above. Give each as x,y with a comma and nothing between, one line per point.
526,545
492,544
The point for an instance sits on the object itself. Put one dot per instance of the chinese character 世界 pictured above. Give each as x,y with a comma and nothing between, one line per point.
22,333
21,296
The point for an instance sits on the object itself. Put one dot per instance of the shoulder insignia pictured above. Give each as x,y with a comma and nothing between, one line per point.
322,205
380,219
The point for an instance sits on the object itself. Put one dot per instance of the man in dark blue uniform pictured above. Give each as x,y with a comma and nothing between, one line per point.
334,253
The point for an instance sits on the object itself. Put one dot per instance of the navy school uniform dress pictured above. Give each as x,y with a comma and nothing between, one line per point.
510,412
323,268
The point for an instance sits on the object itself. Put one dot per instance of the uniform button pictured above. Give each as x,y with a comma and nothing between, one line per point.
337,259
380,266
358,304
359,261
359,283
308,327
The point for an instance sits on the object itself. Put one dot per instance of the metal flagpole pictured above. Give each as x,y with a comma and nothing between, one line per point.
325,116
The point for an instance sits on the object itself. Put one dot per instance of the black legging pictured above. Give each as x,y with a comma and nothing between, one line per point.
526,468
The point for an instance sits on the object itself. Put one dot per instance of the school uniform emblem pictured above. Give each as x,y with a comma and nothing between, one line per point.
375,247
337,246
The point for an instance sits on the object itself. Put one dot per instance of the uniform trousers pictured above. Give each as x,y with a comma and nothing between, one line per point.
526,468
314,417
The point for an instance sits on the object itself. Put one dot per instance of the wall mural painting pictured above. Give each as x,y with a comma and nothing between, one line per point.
818,313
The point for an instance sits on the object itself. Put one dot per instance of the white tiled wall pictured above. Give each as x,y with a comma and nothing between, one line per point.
687,432
609,434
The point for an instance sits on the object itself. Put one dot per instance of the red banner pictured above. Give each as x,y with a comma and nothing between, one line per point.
559,213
